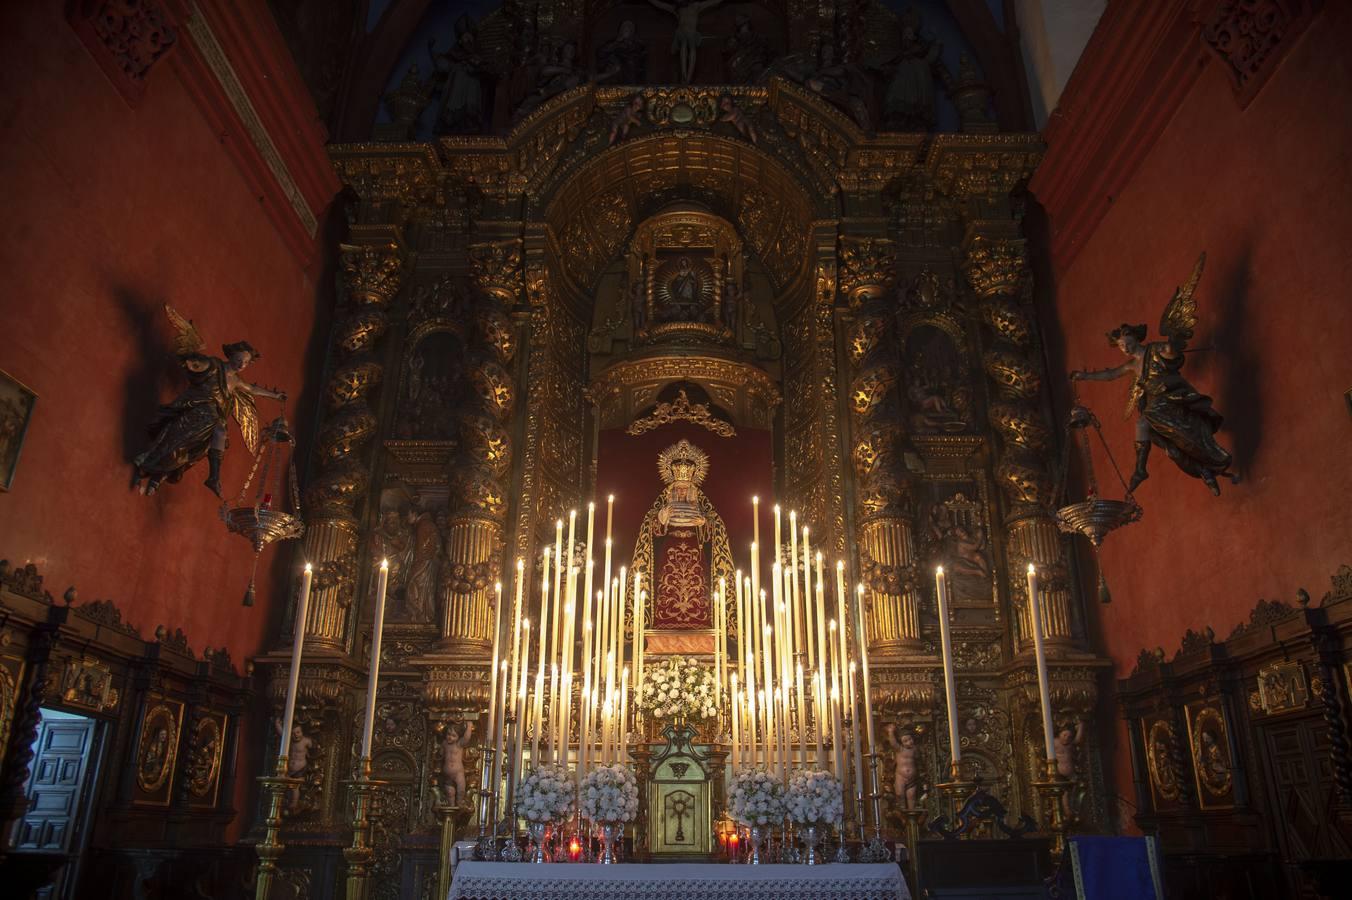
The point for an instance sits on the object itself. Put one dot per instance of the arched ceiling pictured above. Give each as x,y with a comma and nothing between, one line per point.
593,211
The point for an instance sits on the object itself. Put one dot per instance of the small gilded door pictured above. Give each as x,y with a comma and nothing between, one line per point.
679,822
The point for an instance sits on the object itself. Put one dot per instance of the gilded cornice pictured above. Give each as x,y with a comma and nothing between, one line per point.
811,137
627,388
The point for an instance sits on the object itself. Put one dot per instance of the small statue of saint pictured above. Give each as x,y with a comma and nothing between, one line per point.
682,466
194,424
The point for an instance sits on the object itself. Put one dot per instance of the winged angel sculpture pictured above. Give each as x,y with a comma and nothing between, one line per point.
1170,413
194,424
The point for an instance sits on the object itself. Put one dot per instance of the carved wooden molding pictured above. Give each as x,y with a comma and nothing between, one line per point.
126,38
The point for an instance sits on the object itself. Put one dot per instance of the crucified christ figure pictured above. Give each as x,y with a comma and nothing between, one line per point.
685,43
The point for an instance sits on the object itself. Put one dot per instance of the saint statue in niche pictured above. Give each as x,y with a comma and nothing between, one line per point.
937,394
684,289
683,466
683,543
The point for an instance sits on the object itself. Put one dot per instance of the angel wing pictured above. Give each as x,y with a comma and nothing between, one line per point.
246,416
187,340
1180,316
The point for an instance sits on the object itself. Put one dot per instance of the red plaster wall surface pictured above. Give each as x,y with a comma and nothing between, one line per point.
109,213
1267,193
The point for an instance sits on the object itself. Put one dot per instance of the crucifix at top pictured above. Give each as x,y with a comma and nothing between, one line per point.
687,39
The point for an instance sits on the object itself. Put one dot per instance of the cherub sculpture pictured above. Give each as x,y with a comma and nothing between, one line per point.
1170,411
452,780
907,778
194,424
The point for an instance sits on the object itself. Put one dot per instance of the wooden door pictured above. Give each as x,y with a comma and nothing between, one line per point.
55,785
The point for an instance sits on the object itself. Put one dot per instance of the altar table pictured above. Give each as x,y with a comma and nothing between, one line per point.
676,881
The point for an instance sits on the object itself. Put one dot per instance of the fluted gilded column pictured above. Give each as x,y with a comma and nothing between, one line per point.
370,275
995,263
884,510
479,493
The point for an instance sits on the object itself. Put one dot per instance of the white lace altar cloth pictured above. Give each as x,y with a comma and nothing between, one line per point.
676,881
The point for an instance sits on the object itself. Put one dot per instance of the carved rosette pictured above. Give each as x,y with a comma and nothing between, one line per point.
885,526
996,267
478,491
370,275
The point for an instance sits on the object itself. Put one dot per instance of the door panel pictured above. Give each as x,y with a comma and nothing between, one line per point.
54,787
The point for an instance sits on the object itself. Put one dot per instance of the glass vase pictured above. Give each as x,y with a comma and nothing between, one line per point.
609,831
810,839
756,837
539,852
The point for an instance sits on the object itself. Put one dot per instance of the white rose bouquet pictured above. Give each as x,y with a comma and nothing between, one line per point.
755,797
814,798
610,794
678,686
545,794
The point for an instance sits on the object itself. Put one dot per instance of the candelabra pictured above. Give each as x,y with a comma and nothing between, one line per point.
1052,790
360,854
270,849
913,818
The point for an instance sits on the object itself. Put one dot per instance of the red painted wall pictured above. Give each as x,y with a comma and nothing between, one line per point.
1267,192
111,212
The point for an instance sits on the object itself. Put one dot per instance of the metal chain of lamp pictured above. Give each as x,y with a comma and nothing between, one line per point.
1094,517
266,519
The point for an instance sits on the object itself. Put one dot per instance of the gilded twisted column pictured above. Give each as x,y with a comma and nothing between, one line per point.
479,494
885,524
995,263
370,276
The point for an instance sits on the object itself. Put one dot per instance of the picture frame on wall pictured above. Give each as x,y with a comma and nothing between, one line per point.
16,409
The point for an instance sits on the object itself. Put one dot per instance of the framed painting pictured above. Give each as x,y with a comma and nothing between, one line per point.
16,408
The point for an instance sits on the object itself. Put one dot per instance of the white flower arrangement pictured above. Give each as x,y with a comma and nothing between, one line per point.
755,797
678,686
610,794
814,798
545,794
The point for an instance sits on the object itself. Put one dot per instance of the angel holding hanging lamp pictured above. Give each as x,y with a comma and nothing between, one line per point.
194,424
1170,412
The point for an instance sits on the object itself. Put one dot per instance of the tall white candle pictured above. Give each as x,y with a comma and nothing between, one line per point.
500,744
779,541
516,626
491,731
1043,687
622,737
857,742
378,627
863,668
950,687
837,734
297,644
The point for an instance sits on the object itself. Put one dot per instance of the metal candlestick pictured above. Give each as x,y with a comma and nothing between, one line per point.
445,815
876,850
270,849
1052,789
955,791
361,853
913,819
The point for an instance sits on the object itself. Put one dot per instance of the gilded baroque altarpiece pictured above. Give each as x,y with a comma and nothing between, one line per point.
867,298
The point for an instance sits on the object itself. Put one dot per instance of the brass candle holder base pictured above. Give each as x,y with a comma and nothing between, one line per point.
269,850
913,819
955,794
360,854
1052,790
